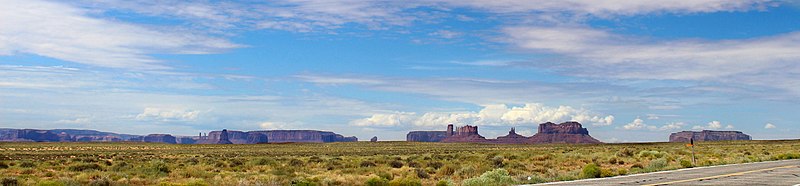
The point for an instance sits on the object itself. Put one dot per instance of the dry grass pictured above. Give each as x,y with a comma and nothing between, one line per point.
356,163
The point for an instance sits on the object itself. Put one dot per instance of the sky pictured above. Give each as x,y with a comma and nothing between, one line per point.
629,71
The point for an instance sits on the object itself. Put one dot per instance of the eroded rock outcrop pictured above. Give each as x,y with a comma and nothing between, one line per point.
223,137
373,139
426,136
567,132
512,137
30,135
466,134
275,136
707,135
160,138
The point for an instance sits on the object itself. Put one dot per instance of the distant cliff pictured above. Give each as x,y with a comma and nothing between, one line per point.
707,135
276,136
426,136
567,132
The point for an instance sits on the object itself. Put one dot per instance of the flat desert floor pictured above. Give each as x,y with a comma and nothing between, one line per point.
360,163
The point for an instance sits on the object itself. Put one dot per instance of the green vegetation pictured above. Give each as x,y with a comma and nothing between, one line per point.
359,163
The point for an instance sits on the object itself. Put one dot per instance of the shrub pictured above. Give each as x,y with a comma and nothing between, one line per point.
295,163
496,177
3,165
444,183
435,165
657,164
236,163
591,171
447,170
686,164
305,182
497,161
396,164
9,181
405,182
613,160
377,181
100,182
651,154
367,164
84,167
158,167
50,183
637,165
787,156
422,174
625,153
27,164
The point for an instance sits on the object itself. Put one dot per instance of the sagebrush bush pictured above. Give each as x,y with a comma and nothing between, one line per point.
396,164
657,164
377,181
367,164
85,167
591,171
421,173
9,181
496,177
405,182
3,165
686,164
158,167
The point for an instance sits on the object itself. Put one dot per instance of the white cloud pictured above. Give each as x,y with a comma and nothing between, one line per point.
168,114
635,125
638,124
606,8
492,115
754,61
394,119
69,33
711,126
652,117
268,125
769,126
82,120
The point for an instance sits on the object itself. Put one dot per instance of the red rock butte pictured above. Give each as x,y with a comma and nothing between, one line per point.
567,132
707,135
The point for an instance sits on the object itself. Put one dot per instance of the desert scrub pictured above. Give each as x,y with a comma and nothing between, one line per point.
657,164
591,171
85,167
496,177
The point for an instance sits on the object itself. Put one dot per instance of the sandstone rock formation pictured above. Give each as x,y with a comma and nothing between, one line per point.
707,135
512,137
567,132
467,134
223,137
160,138
275,136
29,135
426,136
373,139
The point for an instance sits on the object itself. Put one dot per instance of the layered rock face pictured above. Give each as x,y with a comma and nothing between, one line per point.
30,135
707,135
467,134
512,137
223,137
160,138
567,132
373,139
275,136
426,136
312,136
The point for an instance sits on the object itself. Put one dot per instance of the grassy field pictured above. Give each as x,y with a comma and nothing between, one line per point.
359,163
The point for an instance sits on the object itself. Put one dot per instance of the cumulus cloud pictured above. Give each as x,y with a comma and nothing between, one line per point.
268,125
769,126
394,119
69,33
492,115
711,126
638,124
168,114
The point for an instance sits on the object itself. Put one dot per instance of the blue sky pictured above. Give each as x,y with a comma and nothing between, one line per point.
627,70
